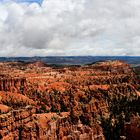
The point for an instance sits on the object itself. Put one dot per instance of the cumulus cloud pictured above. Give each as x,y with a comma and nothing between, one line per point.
70,27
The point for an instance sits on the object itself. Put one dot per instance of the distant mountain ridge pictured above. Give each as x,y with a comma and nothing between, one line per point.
134,61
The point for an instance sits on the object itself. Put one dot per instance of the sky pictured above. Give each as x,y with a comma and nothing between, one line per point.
69,28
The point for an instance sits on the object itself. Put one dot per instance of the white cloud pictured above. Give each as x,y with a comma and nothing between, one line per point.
70,27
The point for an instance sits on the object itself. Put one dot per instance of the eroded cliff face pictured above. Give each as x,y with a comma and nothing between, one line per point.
91,102
12,84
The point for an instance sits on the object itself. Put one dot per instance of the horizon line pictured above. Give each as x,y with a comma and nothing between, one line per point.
71,56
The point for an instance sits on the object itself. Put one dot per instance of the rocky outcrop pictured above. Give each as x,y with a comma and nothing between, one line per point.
53,126
15,100
67,130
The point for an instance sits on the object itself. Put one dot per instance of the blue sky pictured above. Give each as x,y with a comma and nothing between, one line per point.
70,27
30,1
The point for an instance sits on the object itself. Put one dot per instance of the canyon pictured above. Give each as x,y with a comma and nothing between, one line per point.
97,101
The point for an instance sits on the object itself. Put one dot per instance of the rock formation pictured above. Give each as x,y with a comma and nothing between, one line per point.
90,102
